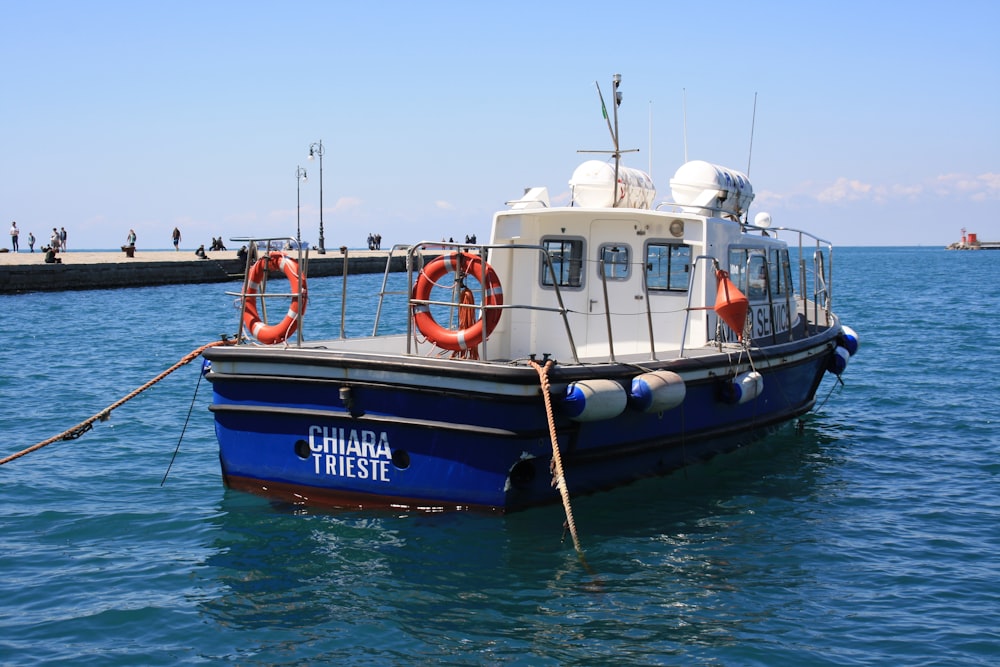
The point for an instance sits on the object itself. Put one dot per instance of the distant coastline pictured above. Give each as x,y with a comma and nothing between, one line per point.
109,269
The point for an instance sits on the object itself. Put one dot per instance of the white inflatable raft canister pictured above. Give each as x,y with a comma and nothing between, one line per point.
594,400
657,391
701,186
593,186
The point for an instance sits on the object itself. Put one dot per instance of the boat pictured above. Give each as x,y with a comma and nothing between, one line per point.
582,347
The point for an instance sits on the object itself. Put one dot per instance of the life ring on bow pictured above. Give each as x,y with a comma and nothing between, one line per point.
458,340
274,333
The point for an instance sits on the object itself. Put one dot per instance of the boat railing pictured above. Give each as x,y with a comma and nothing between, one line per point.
383,292
263,246
821,290
692,281
819,281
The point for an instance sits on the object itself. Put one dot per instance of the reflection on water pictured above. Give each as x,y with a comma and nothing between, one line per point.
514,585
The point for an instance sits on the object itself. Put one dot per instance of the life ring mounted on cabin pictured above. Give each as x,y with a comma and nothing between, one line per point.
471,332
270,334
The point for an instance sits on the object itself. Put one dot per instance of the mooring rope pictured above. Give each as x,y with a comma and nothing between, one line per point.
103,415
560,478
187,420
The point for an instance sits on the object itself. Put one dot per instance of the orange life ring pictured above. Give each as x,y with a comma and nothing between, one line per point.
458,340
273,333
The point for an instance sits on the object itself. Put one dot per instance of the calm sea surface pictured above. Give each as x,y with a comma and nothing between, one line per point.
871,537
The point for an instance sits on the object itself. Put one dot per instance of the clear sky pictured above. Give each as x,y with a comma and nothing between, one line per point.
877,123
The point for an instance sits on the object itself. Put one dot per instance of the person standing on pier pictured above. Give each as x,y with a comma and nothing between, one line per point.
62,239
31,242
130,240
55,242
14,233
177,238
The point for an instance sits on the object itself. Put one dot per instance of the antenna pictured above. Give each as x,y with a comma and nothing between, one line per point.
617,152
650,138
753,122
684,104
604,111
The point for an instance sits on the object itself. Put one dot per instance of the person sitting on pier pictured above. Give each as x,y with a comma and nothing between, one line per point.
50,255
200,252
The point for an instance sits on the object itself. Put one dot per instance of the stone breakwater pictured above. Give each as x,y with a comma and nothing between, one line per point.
28,272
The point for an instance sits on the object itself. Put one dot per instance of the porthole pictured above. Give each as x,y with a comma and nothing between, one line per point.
302,449
401,459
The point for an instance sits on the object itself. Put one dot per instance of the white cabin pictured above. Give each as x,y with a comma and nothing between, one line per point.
634,263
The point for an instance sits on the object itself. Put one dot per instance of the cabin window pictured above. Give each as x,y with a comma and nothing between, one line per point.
748,269
737,268
668,267
780,272
567,262
615,257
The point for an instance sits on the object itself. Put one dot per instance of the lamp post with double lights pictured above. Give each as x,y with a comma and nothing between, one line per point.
316,150
300,175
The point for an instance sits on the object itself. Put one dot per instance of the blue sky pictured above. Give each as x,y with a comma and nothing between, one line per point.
877,123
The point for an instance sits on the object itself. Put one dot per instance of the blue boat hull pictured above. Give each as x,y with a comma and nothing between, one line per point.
374,434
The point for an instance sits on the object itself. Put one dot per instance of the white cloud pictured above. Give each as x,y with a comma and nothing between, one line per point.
770,198
844,189
984,187
346,204
444,205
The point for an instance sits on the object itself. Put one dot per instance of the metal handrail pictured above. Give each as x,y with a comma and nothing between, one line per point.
607,308
385,280
690,291
416,255
822,271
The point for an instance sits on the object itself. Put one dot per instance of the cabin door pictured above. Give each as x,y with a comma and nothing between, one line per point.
614,286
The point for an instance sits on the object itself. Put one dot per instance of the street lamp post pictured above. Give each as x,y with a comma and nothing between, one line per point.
300,175
316,149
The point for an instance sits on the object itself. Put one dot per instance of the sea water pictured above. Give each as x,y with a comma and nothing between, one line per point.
866,536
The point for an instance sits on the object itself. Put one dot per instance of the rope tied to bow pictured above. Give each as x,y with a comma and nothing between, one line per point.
559,477
105,414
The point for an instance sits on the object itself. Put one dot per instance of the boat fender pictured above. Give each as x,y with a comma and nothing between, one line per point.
657,391
743,388
838,360
594,400
850,340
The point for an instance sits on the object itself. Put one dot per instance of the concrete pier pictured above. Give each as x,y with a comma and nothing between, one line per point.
28,272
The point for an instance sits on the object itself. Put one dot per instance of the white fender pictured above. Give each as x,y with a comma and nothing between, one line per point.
594,400
657,391
744,387
850,340
838,361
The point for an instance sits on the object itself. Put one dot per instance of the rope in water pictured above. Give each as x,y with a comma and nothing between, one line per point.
560,479
103,415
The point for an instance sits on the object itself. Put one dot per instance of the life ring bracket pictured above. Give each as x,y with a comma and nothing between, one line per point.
464,264
270,334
